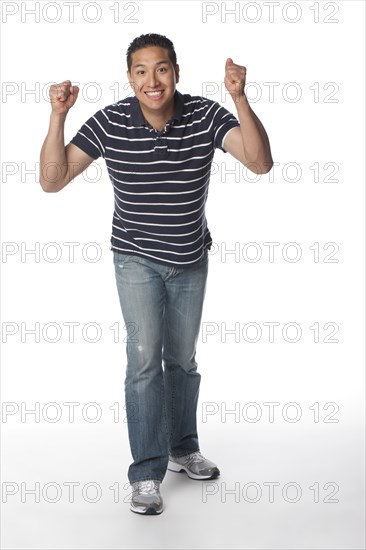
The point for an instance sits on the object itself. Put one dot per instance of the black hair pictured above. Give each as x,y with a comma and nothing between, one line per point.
151,39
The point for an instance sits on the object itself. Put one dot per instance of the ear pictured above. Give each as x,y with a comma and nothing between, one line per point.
130,80
176,70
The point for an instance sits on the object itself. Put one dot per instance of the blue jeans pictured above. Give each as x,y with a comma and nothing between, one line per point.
162,309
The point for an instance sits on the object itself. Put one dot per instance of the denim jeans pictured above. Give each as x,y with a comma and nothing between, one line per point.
162,309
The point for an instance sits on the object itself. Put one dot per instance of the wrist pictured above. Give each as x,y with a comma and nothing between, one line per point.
242,100
243,106
57,121
58,117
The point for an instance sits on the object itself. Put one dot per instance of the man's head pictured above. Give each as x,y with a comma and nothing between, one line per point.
153,73
151,39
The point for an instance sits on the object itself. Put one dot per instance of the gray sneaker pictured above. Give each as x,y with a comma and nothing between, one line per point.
195,465
146,497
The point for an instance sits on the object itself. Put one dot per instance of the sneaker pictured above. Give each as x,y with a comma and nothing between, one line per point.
195,465
146,497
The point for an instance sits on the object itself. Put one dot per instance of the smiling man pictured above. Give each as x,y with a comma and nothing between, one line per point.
158,146
153,77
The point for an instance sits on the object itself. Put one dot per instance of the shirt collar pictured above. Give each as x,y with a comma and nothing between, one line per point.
138,118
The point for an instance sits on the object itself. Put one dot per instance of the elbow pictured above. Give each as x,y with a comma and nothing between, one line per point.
51,186
45,188
48,187
260,168
266,167
50,180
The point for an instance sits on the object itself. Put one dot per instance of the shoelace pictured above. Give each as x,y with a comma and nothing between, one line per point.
147,487
195,457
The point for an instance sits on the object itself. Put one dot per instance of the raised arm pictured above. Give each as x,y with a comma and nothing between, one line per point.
59,164
249,144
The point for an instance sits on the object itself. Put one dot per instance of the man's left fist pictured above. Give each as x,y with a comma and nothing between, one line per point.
234,79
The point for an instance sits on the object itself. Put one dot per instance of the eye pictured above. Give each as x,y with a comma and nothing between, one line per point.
162,69
140,71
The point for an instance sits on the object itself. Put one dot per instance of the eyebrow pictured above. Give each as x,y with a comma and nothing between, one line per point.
157,63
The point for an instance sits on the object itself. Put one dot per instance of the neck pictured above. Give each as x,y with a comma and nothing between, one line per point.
158,119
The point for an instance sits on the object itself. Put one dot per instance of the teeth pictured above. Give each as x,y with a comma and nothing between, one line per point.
154,93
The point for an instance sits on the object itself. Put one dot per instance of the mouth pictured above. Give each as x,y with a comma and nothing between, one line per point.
155,95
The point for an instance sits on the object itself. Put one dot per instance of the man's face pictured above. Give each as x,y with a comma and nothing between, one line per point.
153,78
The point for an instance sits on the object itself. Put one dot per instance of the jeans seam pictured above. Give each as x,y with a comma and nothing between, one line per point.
172,376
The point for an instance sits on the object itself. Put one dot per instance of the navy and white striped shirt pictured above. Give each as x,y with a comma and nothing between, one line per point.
160,179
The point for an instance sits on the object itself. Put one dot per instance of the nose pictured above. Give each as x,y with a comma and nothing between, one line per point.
152,80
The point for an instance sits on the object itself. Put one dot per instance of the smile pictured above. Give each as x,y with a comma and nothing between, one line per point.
157,94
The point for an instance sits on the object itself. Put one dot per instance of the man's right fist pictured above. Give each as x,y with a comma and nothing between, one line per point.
63,96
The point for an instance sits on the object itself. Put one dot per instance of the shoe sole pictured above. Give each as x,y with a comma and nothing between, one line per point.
148,512
173,467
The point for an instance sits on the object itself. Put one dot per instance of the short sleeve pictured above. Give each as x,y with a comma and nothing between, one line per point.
91,137
223,122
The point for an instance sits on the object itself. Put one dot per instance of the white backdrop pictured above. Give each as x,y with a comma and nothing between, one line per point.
281,349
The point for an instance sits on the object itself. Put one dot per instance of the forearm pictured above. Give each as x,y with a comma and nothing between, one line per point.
53,162
257,150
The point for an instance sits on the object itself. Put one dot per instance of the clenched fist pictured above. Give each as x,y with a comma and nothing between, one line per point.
234,79
63,96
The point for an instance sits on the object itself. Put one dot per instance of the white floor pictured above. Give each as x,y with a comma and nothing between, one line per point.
235,511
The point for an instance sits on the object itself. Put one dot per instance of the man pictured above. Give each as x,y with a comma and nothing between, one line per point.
158,146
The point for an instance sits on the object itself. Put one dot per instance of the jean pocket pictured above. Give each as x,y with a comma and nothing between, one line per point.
121,259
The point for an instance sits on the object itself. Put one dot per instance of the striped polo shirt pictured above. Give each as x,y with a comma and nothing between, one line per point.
160,179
